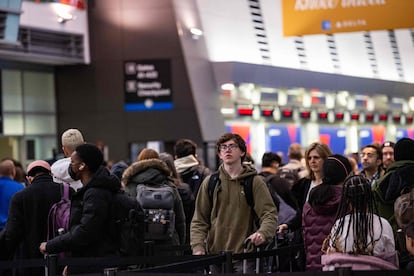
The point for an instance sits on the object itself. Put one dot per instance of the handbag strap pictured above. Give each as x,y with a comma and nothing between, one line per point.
65,191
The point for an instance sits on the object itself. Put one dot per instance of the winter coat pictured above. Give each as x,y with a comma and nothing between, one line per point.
29,209
386,194
317,222
151,171
92,229
300,191
223,222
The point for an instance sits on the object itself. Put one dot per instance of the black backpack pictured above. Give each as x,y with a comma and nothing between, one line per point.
291,175
194,178
286,212
128,218
247,183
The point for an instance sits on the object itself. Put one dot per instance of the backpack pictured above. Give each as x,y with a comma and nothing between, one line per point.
286,213
128,218
291,175
194,178
247,184
157,201
59,214
400,182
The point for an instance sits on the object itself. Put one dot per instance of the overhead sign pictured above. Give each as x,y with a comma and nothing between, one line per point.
305,17
148,85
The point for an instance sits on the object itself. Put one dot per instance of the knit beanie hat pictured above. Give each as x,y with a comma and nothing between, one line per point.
91,155
404,149
335,169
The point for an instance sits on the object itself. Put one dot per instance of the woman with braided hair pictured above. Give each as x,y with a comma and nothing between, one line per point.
357,229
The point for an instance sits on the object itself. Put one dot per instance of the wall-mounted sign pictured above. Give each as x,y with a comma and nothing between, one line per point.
148,85
304,17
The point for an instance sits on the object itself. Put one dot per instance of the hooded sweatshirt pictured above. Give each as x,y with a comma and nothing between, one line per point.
225,221
184,163
60,172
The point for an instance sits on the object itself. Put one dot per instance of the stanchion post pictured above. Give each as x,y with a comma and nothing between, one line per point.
51,265
228,264
149,248
344,271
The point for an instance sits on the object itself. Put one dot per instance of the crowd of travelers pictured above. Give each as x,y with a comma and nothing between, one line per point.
355,211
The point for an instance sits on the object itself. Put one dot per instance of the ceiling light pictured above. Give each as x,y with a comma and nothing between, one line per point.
196,33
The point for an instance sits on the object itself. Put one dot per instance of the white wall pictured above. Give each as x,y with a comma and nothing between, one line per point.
43,16
230,36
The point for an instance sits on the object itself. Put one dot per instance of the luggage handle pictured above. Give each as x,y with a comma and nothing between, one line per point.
246,244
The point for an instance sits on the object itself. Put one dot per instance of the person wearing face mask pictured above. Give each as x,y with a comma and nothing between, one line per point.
91,233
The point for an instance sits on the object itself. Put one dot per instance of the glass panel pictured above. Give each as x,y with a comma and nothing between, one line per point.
13,124
40,124
4,3
44,147
12,90
39,92
12,27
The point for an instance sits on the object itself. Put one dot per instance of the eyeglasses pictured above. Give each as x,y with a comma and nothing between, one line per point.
226,147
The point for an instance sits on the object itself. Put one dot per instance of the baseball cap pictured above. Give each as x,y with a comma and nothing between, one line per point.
36,166
388,144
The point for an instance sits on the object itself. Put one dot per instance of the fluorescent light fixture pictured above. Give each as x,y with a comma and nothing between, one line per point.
196,33
227,111
63,12
227,86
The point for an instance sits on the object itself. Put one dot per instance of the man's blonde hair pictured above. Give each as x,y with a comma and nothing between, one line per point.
72,138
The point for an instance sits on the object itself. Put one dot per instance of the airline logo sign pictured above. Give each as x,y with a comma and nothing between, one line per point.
305,17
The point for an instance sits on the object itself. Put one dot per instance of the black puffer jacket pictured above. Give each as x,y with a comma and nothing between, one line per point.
155,171
91,231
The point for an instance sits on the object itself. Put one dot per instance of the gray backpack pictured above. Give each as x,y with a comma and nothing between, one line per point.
157,201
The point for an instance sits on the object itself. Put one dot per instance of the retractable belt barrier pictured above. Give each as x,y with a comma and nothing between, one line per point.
119,265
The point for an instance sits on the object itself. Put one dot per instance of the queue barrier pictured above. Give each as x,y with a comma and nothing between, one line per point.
172,264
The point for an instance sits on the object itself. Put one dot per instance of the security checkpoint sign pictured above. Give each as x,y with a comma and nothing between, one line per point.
306,17
147,85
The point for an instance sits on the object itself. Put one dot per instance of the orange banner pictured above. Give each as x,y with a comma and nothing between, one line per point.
305,17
